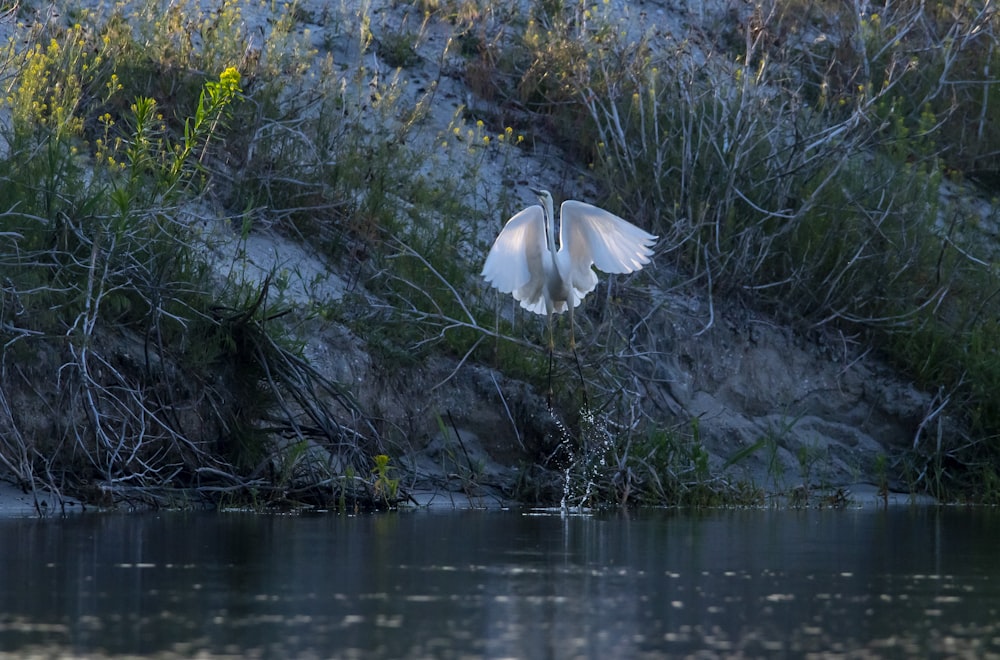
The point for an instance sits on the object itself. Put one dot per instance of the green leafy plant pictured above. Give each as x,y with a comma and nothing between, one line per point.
384,487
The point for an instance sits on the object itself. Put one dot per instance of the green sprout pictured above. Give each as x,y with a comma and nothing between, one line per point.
385,487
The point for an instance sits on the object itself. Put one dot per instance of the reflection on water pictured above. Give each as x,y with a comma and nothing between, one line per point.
477,584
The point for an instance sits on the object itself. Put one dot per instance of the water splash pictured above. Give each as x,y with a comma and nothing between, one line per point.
566,445
588,464
562,504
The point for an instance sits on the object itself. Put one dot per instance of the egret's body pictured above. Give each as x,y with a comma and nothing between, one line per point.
524,260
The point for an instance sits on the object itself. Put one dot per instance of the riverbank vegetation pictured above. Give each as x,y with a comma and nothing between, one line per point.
792,159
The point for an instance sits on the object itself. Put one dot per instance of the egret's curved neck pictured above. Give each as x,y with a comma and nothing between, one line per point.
550,224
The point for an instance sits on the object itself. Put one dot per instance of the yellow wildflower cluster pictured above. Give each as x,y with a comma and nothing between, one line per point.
229,81
106,147
48,89
479,136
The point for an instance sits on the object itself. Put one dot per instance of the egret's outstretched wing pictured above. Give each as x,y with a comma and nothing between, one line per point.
593,236
514,264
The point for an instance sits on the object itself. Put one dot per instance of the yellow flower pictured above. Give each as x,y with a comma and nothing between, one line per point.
230,79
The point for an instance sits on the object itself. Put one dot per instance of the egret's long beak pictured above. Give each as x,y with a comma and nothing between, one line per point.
537,191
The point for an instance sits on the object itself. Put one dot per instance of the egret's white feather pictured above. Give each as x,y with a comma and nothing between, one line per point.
593,236
515,262
517,251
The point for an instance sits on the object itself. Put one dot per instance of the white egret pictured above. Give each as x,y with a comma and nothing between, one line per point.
524,261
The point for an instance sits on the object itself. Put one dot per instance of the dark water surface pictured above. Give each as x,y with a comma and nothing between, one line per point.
897,583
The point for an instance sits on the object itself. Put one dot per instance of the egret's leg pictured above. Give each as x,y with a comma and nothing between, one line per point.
552,348
572,329
576,356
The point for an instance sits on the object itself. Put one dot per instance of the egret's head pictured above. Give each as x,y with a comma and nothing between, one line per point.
544,196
